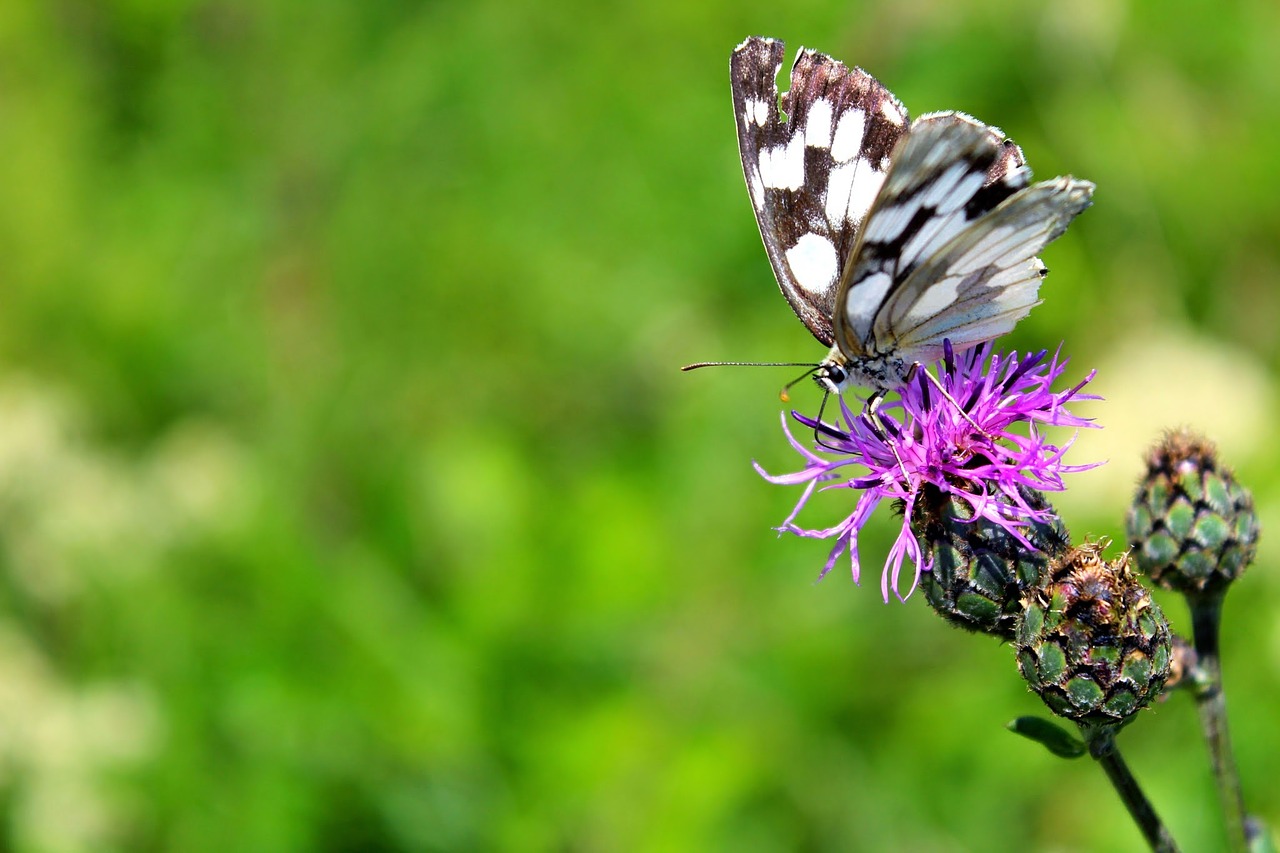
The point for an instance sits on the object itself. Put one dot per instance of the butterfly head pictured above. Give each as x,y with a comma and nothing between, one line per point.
831,376
879,373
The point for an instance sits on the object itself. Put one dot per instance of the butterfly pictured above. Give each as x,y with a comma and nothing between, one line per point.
889,237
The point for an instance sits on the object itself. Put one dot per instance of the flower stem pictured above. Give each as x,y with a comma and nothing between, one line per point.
1211,702
1102,746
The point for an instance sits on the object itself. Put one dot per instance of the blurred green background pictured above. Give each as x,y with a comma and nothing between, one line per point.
350,498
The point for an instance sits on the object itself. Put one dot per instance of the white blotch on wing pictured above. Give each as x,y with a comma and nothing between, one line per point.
931,237
1003,247
863,300
889,222
851,188
940,192
962,193
866,186
949,221
849,132
782,166
817,129
839,186
892,112
934,301
1025,273
813,262
756,111
1021,295
757,189
1022,244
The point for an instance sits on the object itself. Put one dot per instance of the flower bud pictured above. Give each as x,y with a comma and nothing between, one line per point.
1092,643
980,570
1192,527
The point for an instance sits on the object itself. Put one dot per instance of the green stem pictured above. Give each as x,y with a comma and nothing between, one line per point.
1211,702
1102,746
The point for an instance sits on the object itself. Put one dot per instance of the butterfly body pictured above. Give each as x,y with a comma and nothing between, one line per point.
838,371
888,237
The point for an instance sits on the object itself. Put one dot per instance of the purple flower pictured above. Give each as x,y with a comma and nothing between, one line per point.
974,446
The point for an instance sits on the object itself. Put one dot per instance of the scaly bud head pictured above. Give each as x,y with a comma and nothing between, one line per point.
1192,526
980,571
1092,643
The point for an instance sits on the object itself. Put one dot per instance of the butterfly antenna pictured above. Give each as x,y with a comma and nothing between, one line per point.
784,396
699,364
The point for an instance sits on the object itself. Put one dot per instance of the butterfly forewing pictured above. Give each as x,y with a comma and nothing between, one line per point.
813,175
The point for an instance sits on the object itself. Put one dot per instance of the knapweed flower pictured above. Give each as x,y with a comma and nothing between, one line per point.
969,443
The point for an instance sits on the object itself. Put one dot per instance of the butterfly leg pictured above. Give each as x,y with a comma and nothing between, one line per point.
872,413
822,427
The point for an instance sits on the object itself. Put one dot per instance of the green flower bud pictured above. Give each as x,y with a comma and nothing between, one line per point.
1092,643
1192,527
980,570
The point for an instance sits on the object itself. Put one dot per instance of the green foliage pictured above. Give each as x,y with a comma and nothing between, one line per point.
350,499
1050,735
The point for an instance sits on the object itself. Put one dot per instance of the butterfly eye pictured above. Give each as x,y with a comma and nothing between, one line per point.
831,378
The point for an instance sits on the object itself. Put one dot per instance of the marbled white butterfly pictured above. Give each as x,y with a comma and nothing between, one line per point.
887,237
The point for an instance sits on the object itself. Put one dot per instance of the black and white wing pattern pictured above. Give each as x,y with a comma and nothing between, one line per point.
948,250
888,238
813,175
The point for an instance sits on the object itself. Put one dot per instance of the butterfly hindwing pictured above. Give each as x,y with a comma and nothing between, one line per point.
949,171
814,175
985,279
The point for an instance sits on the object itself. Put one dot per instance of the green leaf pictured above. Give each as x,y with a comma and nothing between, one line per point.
1054,737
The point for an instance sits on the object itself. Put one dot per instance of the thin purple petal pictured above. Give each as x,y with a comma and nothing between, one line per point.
922,438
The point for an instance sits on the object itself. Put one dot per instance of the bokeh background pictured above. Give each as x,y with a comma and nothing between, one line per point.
350,497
